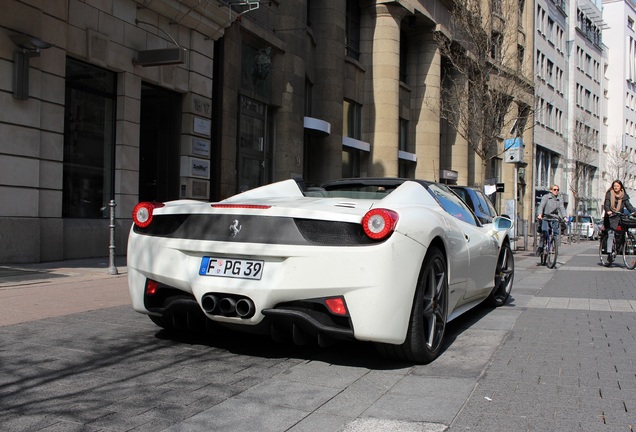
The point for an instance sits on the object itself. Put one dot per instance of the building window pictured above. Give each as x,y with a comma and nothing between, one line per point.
550,34
521,52
89,141
352,158
403,56
406,167
352,30
496,7
496,45
352,125
309,15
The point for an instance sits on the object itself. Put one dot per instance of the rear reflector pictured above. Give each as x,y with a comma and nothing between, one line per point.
151,287
336,306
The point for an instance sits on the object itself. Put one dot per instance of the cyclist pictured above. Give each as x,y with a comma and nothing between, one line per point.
616,200
551,204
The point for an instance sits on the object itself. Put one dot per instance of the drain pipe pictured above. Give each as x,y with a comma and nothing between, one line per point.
111,248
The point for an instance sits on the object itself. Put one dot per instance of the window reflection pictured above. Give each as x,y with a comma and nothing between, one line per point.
88,140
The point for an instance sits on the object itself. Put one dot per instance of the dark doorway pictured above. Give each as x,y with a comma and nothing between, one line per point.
159,144
253,159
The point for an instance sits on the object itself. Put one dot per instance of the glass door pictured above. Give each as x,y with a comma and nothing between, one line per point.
252,149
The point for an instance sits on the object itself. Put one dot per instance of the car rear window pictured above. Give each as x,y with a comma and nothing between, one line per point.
585,219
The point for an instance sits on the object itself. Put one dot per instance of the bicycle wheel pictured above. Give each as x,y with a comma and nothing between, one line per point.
552,253
600,248
629,251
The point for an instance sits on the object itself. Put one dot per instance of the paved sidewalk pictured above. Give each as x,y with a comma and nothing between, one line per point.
569,362
35,291
559,356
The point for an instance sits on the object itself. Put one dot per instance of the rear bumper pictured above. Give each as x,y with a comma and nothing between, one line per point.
376,281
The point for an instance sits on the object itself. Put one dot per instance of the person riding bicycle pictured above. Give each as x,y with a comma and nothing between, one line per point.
616,200
551,204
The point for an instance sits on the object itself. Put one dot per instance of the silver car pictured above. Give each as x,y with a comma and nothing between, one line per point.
586,226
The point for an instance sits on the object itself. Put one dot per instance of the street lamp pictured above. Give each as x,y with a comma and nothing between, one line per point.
30,46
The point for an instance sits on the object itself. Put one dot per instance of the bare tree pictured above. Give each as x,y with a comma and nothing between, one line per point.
485,96
583,150
619,166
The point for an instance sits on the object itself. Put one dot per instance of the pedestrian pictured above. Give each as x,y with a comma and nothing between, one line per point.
550,204
616,200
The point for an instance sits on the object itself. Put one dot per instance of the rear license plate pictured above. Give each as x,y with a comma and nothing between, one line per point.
230,267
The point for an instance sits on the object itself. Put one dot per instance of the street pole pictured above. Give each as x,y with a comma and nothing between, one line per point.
111,248
513,216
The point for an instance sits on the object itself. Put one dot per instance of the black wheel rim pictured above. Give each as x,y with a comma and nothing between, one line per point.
504,273
435,304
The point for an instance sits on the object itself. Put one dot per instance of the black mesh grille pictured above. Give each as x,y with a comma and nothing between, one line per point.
257,229
329,233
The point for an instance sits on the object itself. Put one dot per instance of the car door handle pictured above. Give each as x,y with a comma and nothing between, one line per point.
466,237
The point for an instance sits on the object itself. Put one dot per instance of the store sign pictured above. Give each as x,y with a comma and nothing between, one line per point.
202,126
201,147
193,167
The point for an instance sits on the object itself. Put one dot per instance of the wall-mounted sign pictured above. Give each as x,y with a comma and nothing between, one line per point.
193,167
202,126
513,149
448,174
201,147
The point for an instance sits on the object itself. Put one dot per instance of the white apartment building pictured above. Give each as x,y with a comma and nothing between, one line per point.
551,95
569,98
620,145
585,118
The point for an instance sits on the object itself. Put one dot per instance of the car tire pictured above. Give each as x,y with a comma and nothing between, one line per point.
429,314
504,276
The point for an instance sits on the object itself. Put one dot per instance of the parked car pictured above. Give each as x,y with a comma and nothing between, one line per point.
390,261
585,227
477,201
599,225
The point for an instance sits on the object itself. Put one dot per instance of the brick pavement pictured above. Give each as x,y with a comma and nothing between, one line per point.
569,362
558,357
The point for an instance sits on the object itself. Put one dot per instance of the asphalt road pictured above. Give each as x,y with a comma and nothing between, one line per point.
74,356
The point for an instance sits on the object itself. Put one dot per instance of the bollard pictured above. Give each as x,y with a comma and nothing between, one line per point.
111,248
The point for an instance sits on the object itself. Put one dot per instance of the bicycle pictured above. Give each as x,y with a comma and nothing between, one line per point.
550,250
624,242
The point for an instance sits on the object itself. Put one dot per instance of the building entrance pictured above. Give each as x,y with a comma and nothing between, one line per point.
159,144
252,150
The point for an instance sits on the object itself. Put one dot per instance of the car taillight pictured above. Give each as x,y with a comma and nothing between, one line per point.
142,213
379,223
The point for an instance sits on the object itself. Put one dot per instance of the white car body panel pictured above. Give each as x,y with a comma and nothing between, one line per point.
377,281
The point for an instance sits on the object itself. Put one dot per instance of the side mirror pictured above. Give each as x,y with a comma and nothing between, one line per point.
501,223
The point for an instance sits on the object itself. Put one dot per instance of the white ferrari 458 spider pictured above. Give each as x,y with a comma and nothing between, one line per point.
385,260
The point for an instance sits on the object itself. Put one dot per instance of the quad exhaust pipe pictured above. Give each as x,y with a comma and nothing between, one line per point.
237,306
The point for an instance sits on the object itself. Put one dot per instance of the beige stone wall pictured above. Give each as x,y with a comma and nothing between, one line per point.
106,34
32,145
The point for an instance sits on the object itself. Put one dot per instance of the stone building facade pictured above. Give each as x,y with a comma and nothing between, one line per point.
130,100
